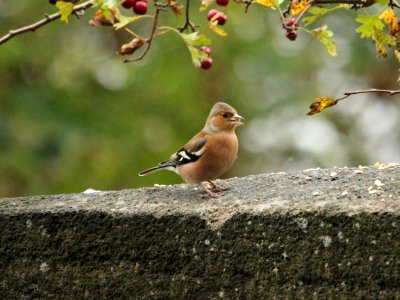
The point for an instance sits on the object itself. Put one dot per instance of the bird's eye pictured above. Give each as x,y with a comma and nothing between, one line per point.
227,115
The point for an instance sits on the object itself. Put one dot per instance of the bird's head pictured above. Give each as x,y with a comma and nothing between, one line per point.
223,117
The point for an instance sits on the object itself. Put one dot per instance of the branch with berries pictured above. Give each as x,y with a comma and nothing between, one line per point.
381,27
77,10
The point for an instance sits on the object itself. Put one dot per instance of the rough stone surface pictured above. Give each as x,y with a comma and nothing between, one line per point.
332,233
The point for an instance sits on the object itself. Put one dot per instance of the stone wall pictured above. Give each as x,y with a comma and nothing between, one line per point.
330,234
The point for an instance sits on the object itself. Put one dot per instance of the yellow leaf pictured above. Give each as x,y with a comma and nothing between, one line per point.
320,105
65,9
267,3
390,18
214,26
298,6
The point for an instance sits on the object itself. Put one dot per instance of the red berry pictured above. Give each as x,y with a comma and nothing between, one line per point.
222,2
222,19
128,3
291,34
212,13
206,63
140,7
290,22
206,50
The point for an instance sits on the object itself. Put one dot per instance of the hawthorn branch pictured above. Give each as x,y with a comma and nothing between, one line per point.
47,19
348,94
187,24
149,40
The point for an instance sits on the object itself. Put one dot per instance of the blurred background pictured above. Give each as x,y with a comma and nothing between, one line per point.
73,116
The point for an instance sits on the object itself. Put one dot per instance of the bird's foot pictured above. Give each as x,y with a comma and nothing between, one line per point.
217,187
213,189
211,193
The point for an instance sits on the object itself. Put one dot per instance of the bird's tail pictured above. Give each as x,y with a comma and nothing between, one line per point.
163,166
151,170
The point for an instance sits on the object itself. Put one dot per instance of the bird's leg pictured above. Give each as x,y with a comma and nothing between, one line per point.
217,187
209,192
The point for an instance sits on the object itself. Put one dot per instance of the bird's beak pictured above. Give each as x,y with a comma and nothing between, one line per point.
237,119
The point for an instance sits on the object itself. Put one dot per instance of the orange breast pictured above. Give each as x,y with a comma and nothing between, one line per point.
215,161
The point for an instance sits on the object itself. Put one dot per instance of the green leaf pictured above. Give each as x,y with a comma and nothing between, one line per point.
65,9
316,13
196,55
195,39
369,25
324,35
124,20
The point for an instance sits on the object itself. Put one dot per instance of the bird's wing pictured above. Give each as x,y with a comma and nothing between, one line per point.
187,154
190,152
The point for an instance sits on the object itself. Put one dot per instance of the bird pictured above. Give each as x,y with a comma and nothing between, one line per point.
210,153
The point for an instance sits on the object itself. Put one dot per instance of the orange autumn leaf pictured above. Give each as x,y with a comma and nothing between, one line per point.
389,17
298,6
320,105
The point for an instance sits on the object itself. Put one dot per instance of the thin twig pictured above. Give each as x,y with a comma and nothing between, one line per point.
348,94
47,19
187,20
247,3
149,40
286,11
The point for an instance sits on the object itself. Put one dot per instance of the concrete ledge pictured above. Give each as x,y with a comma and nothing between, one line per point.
332,233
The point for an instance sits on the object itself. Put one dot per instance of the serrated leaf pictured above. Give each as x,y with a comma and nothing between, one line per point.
369,25
195,39
196,55
317,12
320,104
324,35
124,20
267,3
65,9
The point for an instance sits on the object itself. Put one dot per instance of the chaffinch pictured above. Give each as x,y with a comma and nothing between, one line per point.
210,153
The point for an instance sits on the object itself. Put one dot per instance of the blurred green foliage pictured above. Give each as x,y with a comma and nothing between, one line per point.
73,116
